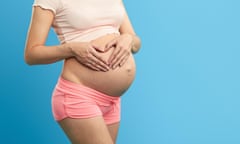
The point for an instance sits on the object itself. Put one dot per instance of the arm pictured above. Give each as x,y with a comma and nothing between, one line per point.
127,29
128,42
36,52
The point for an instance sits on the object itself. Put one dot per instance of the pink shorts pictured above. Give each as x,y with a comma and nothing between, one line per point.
77,101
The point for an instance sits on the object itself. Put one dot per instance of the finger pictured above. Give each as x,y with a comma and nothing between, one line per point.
114,54
99,57
117,56
91,66
99,49
112,43
98,61
100,65
123,61
119,60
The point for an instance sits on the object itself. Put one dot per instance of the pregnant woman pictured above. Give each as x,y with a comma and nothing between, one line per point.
97,43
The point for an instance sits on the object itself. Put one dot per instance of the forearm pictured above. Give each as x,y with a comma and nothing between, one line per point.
47,54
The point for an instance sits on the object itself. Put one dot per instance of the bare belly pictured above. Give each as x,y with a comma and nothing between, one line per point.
113,82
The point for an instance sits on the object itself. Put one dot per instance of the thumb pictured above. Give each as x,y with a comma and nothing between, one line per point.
111,44
98,48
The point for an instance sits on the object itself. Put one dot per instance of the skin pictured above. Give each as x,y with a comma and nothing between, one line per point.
91,130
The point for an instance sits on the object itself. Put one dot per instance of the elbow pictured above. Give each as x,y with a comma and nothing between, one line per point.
137,45
27,56
28,59
31,56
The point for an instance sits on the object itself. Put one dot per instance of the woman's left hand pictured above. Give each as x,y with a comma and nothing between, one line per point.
122,49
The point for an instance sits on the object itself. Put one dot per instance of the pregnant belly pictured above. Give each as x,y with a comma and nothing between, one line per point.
113,82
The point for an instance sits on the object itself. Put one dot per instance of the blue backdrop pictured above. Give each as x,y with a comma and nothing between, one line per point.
187,89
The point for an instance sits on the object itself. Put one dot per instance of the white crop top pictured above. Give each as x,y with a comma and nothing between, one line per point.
84,20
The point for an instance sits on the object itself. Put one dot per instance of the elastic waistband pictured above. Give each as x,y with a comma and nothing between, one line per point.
76,89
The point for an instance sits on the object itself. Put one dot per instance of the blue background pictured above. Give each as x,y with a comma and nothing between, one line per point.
186,89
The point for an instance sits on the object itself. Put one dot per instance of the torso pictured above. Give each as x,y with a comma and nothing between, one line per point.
113,82
87,20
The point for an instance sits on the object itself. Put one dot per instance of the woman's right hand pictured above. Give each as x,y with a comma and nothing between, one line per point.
87,54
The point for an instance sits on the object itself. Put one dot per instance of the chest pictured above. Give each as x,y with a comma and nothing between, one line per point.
82,14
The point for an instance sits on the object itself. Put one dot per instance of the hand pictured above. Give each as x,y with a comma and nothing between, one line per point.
101,42
122,49
87,55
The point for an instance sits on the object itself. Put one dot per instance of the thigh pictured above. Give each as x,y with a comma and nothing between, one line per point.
86,131
113,130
